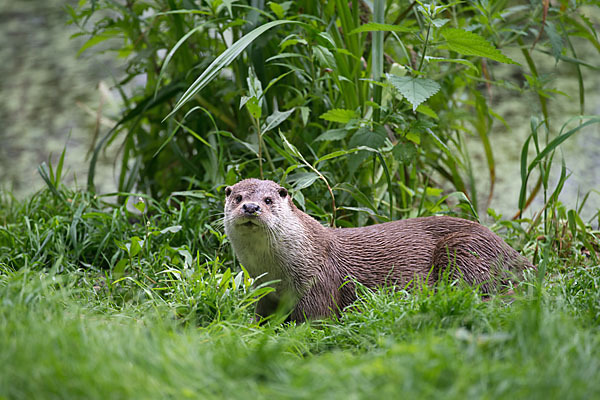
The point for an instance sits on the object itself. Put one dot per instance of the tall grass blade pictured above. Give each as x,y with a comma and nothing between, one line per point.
377,58
43,171
148,103
557,141
59,167
223,61
172,52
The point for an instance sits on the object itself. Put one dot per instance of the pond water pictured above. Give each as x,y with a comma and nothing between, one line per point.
48,94
581,152
49,98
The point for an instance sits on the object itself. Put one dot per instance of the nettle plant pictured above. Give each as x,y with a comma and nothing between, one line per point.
372,102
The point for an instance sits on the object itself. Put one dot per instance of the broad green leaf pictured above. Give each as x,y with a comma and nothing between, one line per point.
454,60
276,119
294,40
434,192
277,10
254,107
135,246
374,27
413,137
415,90
404,152
439,22
99,38
119,269
284,56
140,205
324,57
333,134
339,115
367,137
423,109
302,180
471,44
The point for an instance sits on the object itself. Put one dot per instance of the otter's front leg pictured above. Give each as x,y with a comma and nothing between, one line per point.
317,302
267,305
275,303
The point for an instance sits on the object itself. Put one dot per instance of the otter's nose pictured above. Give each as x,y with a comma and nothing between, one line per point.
251,208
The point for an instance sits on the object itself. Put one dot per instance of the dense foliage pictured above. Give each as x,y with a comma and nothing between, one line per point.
373,100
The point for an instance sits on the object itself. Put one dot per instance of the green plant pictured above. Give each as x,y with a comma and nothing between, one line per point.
314,72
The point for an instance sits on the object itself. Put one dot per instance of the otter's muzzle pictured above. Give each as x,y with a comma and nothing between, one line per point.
251,208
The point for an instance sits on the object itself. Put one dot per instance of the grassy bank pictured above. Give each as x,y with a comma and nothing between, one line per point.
104,301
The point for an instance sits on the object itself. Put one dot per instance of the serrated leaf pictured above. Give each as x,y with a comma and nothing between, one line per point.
556,41
374,27
471,44
404,152
367,137
415,90
339,115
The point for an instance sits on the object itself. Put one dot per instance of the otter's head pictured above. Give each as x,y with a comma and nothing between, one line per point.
258,215
253,204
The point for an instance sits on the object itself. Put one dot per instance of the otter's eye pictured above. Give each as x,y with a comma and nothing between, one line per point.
268,201
238,198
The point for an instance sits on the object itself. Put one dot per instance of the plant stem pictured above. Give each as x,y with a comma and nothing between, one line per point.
424,48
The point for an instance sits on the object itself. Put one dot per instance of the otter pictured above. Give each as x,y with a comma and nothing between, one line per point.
314,267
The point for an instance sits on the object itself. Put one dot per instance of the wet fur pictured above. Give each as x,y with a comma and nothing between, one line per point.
313,262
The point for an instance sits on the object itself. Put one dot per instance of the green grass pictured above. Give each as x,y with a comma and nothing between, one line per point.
164,325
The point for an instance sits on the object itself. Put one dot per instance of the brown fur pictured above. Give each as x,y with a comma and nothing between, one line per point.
277,241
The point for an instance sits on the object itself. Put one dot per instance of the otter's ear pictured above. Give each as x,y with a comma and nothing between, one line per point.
282,192
227,191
